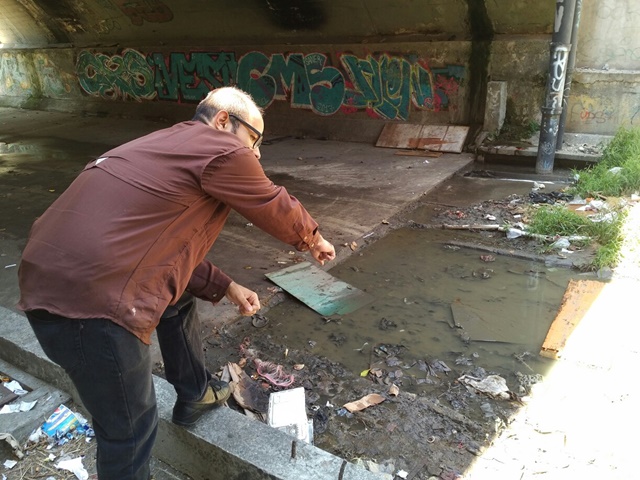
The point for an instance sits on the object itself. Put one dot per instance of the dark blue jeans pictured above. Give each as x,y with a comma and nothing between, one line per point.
111,369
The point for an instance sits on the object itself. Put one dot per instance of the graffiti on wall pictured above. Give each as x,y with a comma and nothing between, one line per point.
116,77
385,86
54,82
597,112
16,76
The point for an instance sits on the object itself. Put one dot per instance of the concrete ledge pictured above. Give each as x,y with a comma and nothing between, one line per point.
21,424
224,445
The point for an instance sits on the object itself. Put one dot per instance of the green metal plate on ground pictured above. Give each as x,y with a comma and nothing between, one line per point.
319,290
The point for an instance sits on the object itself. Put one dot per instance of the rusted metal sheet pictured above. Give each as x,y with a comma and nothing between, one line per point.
319,290
578,298
442,138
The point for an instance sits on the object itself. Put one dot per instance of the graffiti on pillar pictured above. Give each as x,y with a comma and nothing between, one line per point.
153,11
188,77
560,55
384,86
116,77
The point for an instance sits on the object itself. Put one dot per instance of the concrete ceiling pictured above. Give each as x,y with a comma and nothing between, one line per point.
82,23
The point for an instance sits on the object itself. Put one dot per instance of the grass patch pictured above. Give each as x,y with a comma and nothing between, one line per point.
616,175
622,155
605,235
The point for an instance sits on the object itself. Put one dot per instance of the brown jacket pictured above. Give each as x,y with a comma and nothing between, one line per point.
130,234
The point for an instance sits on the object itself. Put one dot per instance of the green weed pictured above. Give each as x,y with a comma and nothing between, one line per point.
622,155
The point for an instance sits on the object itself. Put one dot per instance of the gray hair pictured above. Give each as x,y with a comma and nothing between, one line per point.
230,99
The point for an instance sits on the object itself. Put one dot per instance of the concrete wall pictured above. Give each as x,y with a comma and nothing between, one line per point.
605,93
325,69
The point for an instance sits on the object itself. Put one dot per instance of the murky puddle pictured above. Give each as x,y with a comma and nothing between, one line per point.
432,303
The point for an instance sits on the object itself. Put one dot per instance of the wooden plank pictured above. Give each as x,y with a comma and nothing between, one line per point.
399,135
577,300
418,153
319,290
442,138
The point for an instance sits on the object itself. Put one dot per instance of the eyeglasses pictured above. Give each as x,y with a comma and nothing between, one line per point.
258,141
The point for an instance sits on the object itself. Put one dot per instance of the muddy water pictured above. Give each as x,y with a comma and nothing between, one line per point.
504,307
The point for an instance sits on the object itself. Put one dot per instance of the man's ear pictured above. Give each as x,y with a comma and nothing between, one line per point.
221,121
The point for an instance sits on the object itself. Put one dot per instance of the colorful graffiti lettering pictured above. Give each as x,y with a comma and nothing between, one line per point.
116,77
387,85
304,79
384,86
153,11
189,77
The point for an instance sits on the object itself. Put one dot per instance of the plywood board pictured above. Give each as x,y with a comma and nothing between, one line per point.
399,135
319,290
578,298
442,138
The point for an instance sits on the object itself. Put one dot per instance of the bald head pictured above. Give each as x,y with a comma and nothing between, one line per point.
230,99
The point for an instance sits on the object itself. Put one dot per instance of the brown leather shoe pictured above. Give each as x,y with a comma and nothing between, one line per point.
187,414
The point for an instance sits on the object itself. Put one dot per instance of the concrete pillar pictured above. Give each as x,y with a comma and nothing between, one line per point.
496,106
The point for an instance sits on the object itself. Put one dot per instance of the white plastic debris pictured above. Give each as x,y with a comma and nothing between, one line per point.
489,217
287,412
18,407
538,186
402,474
9,464
75,466
615,170
514,233
561,243
493,385
15,387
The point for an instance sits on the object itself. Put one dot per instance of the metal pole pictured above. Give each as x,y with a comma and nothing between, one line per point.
570,67
552,109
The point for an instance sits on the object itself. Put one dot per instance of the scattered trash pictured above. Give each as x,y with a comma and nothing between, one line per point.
18,407
615,170
13,443
9,464
394,390
287,412
259,321
61,421
493,385
364,402
75,466
246,392
402,474
15,387
273,373
561,243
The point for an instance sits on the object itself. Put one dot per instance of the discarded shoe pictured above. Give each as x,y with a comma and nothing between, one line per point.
187,414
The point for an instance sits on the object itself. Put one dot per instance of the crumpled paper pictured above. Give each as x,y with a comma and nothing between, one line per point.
75,466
